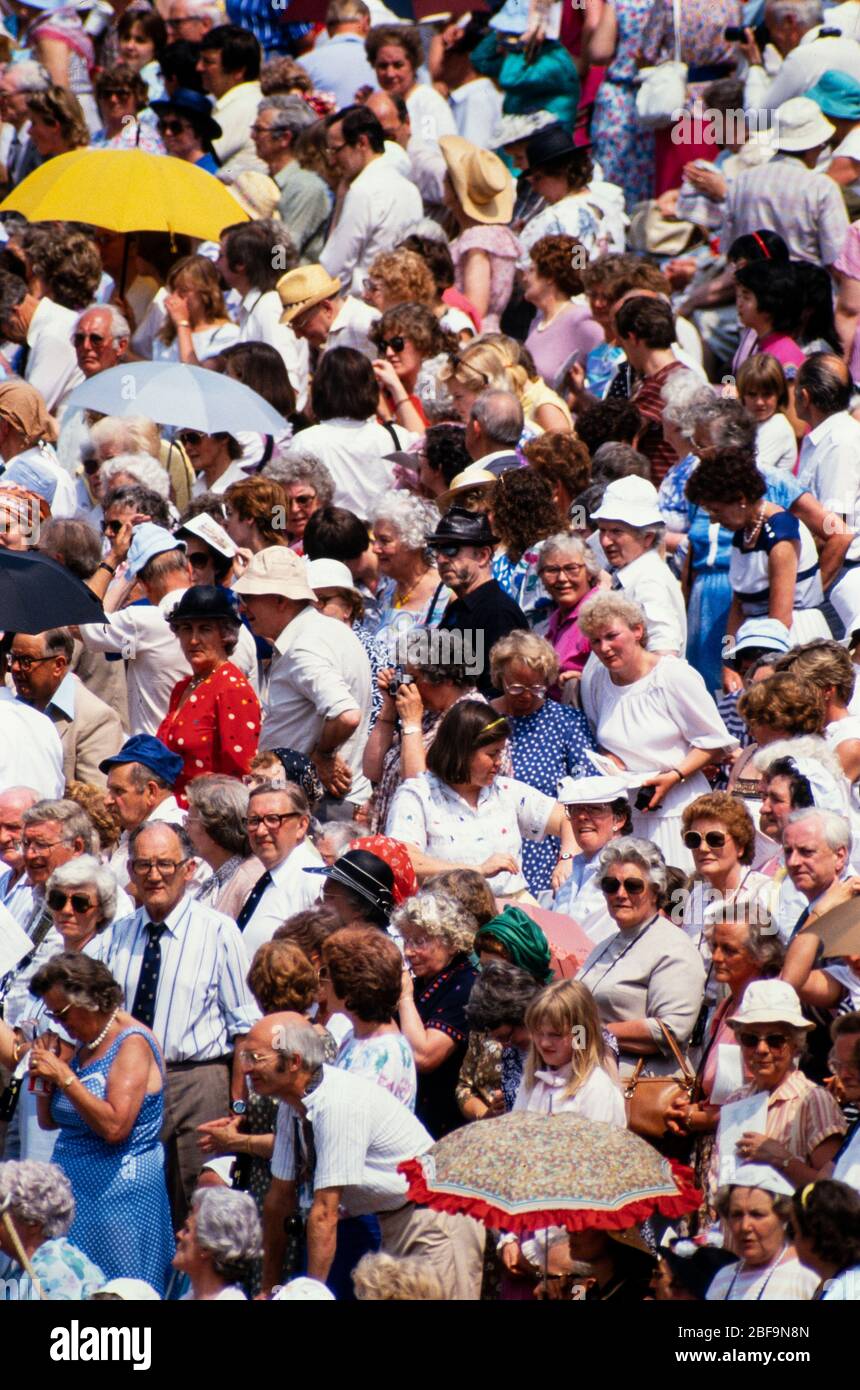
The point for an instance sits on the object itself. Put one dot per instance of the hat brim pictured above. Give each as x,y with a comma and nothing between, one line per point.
209,128
638,522
449,498
445,538
250,584
332,291
767,1016
333,872
817,135
499,210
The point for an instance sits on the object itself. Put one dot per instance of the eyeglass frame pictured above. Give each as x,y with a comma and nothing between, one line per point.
280,816
159,864
26,663
67,897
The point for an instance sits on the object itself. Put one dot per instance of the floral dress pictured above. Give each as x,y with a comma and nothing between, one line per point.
387,1061
546,746
216,729
521,580
64,1272
624,151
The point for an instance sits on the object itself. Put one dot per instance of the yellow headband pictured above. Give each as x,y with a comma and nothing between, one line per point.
804,1196
495,723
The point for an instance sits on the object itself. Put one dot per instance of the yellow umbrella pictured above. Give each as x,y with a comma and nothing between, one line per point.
127,191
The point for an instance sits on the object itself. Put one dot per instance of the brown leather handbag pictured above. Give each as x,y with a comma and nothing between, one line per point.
648,1099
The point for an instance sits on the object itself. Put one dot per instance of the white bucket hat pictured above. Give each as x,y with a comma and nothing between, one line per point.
591,791
800,125
769,1001
631,500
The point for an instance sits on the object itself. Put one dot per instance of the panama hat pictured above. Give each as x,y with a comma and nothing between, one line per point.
481,181
303,288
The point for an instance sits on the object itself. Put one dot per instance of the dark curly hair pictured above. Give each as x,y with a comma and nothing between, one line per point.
524,510
500,996
445,451
615,421
436,255
309,929
555,258
67,260
86,983
281,978
578,168
827,1214
728,475
417,323
561,459
365,968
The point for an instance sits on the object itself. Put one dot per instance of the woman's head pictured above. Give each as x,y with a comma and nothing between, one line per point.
399,277
206,625
142,35
844,1059
217,812
498,1002
757,1221
282,978
557,261
254,512
616,627
73,985
514,936
780,707
565,1030
825,1219
435,929
469,745
524,510
771,1030
633,878
57,122
719,832
38,1197
824,664
524,666
473,370
407,334
114,435
363,968
744,946
766,295
221,1235
344,386
197,281
81,895
120,92
395,53
564,461
559,177
762,386
567,568
728,486
308,485
261,368
683,393
467,887
401,522
762,245
595,823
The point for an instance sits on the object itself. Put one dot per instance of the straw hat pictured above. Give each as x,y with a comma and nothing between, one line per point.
481,181
304,287
259,195
467,481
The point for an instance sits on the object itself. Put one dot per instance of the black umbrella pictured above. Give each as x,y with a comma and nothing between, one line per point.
37,593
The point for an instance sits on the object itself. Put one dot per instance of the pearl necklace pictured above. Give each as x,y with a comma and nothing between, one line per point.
91,1046
751,534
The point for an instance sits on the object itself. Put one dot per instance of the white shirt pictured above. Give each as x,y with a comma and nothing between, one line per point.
352,325
800,70
789,1281
477,108
202,1001
259,320
321,670
650,583
31,754
361,1134
354,452
236,473
429,114
775,443
17,896
291,890
829,465
235,113
52,366
581,898
380,208
598,1098
39,470
428,813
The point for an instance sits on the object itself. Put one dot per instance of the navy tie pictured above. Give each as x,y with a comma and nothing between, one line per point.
143,1008
252,902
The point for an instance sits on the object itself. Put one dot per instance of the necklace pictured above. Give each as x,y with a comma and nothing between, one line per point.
751,532
91,1046
742,1269
400,600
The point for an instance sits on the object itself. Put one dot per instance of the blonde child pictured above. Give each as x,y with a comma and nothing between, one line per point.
566,1066
763,392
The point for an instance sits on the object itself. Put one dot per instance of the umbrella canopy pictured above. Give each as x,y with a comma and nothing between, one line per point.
839,930
524,1171
172,394
37,593
127,191
569,946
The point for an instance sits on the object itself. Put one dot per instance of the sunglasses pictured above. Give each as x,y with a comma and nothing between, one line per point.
714,839
199,562
632,886
57,900
449,551
111,528
397,343
775,1041
191,437
95,338
456,361
172,127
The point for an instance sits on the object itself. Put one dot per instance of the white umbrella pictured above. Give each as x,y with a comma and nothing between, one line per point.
172,394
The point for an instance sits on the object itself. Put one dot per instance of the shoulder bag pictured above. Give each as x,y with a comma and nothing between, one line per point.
663,89
648,1098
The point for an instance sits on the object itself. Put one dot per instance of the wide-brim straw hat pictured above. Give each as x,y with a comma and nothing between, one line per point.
481,181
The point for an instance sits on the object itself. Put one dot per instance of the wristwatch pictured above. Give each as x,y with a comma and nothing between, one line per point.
562,857
238,1107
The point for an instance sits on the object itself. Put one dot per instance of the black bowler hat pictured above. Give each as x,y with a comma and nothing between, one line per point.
205,601
549,146
365,874
460,527
194,105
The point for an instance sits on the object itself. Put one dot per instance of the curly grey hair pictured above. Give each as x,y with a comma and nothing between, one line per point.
439,917
303,470
37,1194
86,872
228,1228
145,469
410,517
564,544
684,393
634,850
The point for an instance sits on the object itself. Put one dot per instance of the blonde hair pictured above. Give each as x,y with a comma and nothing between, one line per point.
379,1278
135,434
564,1006
605,608
531,650
477,367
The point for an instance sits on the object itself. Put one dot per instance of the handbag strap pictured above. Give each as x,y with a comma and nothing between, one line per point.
689,1076
676,25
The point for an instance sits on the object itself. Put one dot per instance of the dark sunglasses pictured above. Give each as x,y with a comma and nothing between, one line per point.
122,93
632,886
199,562
714,839
57,900
449,551
171,127
190,436
111,528
775,1041
398,343
95,338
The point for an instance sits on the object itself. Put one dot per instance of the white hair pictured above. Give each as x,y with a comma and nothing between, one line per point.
564,544
28,76
632,849
206,9
38,1194
119,325
835,829
684,393
806,746
302,1041
145,469
807,12
83,872
412,518
228,1227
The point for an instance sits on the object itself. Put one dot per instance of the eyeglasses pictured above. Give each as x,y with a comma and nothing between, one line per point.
554,571
632,886
517,689
97,339
57,900
418,943
448,551
266,130
456,361
843,1068
191,437
714,839
61,1014
273,821
251,1059
397,343
25,663
38,846
335,149
172,127
775,1041
121,94
166,867
306,500
111,528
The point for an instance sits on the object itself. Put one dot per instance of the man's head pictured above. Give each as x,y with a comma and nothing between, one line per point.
816,845
53,833
788,20
312,300
495,423
13,804
20,81
274,590
280,1054
40,663
254,255
278,820
644,324
347,17
17,307
845,1054
822,387
228,56
334,533
133,791
100,337
354,138
160,865
393,115
191,20
280,121
463,548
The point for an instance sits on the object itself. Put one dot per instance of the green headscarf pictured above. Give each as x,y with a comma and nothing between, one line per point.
523,939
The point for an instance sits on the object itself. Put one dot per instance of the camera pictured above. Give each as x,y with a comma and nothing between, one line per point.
736,33
643,798
399,678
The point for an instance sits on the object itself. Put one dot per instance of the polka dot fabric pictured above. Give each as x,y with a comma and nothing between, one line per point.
214,728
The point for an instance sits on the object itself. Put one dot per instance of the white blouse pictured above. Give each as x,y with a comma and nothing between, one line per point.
428,813
598,1098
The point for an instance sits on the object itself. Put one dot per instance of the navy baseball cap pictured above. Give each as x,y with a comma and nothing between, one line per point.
152,753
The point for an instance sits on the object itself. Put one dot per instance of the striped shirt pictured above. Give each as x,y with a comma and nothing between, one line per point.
361,1133
806,209
800,1115
202,1002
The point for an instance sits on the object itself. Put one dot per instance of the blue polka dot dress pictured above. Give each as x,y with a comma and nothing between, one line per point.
546,746
122,1216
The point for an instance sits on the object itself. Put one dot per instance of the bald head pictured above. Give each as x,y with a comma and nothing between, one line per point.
822,387
13,804
392,115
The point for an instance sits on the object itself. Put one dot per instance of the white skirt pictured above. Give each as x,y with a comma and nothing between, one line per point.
809,624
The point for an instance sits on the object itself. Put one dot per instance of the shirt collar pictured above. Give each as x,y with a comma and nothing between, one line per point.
644,561
285,636
826,426
234,94
311,1101
63,698
174,919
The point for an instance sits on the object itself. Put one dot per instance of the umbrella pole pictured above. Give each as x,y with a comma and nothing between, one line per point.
124,271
